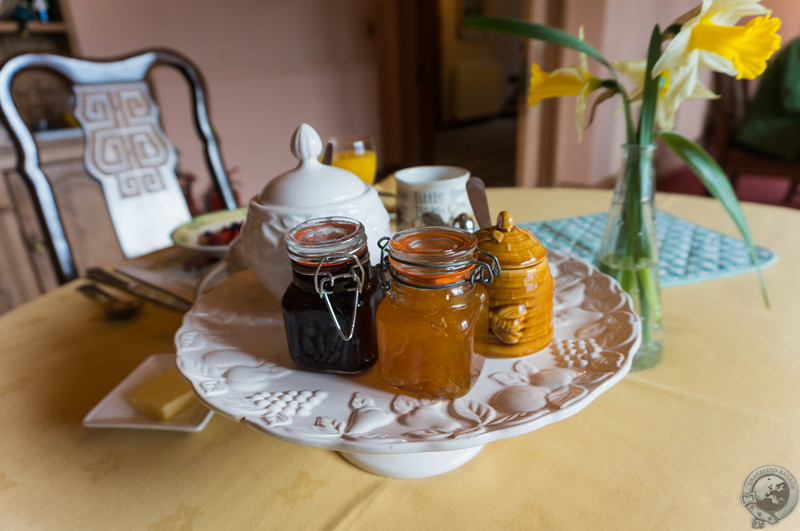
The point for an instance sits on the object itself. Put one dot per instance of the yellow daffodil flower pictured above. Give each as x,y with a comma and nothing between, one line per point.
748,47
570,81
667,105
562,82
710,39
573,80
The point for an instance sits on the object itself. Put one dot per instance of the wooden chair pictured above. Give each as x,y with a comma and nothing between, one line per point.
126,150
726,113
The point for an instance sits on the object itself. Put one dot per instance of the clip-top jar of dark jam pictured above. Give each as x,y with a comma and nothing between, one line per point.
329,308
435,307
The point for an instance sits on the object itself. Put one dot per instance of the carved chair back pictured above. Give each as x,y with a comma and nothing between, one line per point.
126,149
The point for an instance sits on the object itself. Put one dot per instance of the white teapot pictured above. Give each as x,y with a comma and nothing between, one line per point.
310,190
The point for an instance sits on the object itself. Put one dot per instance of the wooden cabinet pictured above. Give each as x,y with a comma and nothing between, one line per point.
23,257
44,101
18,282
25,266
42,97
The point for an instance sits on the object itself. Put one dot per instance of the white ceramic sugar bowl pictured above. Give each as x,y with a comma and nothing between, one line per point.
310,190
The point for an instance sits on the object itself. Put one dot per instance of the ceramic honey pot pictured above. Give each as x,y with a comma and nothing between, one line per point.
521,298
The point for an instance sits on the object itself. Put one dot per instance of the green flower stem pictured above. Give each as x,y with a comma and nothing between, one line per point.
718,184
630,253
647,118
649,283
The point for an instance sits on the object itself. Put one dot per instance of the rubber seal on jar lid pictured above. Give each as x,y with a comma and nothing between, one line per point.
513,246
434,258
325,238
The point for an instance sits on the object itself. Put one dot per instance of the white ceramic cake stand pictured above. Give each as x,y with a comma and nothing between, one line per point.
232,348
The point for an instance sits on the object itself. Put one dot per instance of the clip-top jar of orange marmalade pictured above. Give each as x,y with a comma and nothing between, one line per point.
329,308
435,303
521,298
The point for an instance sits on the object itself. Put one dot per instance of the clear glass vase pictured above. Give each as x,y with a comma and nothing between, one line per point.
629,250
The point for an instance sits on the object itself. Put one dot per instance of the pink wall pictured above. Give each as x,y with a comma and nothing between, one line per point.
789,12
269,66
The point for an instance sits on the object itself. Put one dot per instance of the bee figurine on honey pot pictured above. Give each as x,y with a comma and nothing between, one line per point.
521,298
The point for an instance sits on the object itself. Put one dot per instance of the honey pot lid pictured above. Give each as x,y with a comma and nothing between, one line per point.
311,183
514,247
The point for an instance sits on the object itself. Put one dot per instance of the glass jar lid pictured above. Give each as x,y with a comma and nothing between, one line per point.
333,239
433,257
513,246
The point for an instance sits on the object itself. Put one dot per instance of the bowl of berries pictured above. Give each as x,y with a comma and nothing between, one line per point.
210,233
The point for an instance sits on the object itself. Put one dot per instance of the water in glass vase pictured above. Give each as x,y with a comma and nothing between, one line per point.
641,281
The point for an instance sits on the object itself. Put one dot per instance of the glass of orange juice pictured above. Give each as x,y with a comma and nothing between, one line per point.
355,154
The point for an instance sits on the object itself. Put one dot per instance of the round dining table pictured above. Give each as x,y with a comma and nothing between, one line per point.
675,446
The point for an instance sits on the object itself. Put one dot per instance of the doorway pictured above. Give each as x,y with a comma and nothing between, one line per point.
450,93
480,83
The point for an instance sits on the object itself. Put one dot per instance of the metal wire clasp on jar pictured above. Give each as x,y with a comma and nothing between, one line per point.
329,308
435,304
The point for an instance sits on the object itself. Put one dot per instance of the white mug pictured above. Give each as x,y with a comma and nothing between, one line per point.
431,195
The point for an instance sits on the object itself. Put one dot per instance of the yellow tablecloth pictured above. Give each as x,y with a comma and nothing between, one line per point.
669,448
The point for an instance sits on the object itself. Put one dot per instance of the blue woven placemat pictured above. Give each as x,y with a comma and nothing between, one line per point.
687,252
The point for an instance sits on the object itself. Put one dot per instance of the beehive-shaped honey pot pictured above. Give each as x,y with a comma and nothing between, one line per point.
521,298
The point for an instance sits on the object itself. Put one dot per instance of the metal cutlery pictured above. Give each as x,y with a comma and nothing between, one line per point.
464,221
327,155
116,308
157,297
476,191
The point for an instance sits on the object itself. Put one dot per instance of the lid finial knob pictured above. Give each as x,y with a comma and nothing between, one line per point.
504,221
306,143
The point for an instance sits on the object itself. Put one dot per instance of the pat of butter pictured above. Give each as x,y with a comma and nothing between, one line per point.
164,397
